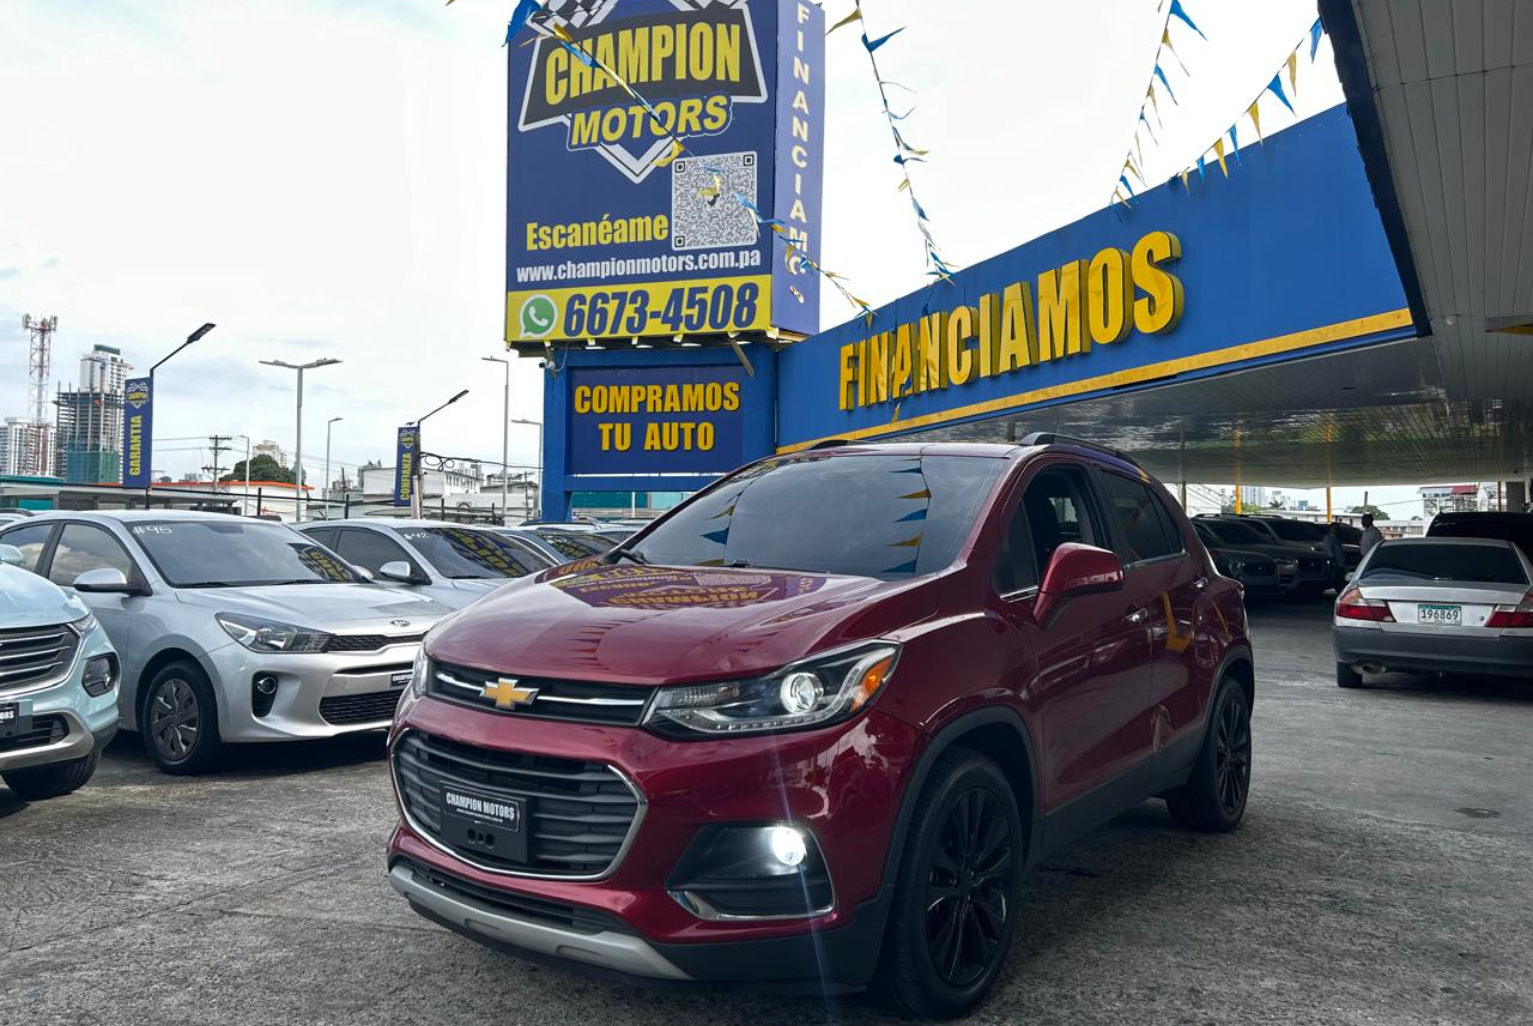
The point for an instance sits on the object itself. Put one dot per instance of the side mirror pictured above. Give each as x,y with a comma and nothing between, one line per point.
398,571
362,572
105,580
1348,576
10,555
1075,570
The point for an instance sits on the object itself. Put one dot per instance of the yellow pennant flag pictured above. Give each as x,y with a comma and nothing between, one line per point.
1293,72
904,185
854,16
1219,152
1165,40
1138,146
1156,104
1256,119
1185,173
1129,165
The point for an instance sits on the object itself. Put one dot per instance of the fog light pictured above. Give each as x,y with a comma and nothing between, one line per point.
263,692
100,675
800,692
788,845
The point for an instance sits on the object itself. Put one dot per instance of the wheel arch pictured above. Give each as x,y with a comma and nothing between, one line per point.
1240,664
154,665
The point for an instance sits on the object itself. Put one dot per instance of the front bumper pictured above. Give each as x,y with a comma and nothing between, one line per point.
90,722
318,695
843,784
1502,655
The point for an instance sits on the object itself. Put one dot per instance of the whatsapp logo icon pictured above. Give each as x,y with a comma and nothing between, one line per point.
539,316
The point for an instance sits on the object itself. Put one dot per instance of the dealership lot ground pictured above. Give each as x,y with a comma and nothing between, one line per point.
1382,876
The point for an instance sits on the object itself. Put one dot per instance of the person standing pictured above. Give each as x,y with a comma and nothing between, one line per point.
1371,535
1337,555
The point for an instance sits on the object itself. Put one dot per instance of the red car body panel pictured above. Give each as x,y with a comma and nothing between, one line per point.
1111,691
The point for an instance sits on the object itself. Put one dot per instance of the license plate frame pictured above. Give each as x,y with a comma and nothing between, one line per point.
12,720
484,824
1438,614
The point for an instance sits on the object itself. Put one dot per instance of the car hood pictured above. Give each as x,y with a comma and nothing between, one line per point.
27,600
655,625
1242,555
321,606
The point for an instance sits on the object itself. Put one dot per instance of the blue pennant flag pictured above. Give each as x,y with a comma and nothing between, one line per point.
1235,144
580,55
900,158
1123,181
1202,175
1177,12
874,44
1315,32
1162,76
1276,85
524,9
919,212
718,537
919,514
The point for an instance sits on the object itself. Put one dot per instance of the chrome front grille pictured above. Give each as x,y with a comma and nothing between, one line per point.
581,816
552,699
33,655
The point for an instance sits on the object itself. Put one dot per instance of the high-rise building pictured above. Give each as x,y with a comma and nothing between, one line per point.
26,449
89,444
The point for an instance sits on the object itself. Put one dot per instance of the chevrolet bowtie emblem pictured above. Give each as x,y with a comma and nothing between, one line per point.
506,695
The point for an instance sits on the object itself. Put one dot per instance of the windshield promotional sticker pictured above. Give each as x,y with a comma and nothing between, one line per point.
661,152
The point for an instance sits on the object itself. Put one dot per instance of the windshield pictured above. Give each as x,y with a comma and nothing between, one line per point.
1295,530
874,516
1238,534
463,554
1489,564
237,553
1513,529
576,545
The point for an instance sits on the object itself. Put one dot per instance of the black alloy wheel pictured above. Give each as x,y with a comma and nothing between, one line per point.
969,888
1232,757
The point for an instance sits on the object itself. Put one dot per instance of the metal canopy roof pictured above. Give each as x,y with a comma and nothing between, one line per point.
1442,98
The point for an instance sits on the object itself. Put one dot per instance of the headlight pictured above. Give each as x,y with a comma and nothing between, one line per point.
1289,564
812,693
270,636
1236,566
84,625
418,674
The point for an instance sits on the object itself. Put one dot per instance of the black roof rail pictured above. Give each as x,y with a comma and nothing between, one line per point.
830,443
1050,438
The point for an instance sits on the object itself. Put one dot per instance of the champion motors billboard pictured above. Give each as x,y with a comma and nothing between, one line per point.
665,169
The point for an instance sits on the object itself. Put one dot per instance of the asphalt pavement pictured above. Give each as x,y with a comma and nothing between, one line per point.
1382,876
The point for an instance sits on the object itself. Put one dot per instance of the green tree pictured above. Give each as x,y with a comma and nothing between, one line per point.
1376,512
262,468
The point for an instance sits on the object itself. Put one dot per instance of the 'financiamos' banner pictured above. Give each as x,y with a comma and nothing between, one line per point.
612,232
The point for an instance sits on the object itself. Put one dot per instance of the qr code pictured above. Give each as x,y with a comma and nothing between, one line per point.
705,209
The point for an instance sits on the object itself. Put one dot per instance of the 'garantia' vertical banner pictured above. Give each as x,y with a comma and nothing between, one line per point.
138,433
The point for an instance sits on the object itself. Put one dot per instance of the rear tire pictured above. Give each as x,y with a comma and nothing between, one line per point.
1213,801
179,720
954,908
39,783
1346,677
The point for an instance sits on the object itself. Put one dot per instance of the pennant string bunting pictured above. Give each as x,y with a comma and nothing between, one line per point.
1290,65
905,154
1151,101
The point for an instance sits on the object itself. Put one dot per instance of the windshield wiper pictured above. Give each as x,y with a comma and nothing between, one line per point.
629,554
210,584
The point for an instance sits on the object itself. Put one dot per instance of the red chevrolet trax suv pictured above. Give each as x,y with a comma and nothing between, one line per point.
810,729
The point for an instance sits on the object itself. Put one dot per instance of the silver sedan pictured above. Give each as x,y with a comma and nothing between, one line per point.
1436,605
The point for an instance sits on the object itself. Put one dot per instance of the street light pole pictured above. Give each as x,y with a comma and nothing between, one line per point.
326,486
539,425
194,336
505,441
420,475
299,505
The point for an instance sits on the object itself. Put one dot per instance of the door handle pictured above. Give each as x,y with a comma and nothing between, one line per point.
1138,616
1200,583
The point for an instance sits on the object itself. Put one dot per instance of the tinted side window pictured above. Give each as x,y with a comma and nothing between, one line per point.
324,535
30,540
371,550
1058,510
1017,568
1145,526
83,547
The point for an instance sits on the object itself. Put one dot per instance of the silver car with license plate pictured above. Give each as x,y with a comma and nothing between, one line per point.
231,629
1436,605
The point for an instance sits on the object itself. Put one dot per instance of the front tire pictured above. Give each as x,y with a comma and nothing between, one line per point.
954,910
39,783
1214,798
179,720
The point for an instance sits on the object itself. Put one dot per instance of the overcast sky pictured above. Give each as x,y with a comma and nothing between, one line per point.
326,178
